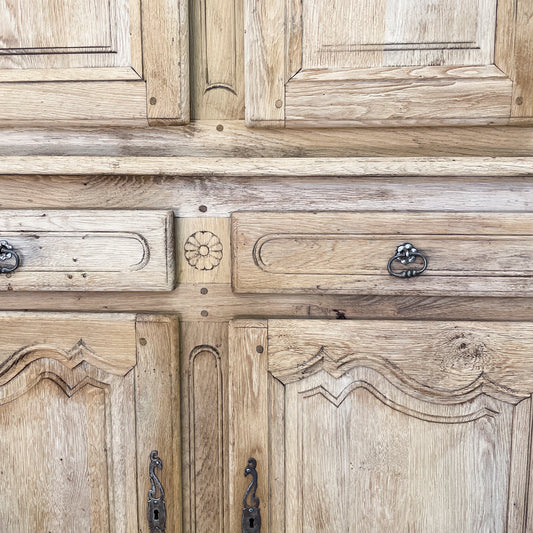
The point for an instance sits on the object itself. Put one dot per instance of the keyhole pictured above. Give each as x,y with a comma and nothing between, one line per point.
156,515
251,522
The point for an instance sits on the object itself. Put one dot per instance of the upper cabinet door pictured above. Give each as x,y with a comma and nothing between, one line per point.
335,63
381,425
93,60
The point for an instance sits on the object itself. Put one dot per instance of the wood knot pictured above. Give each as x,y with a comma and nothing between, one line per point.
463,351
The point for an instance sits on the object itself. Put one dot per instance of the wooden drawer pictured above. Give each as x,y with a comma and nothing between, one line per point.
88,250
478,254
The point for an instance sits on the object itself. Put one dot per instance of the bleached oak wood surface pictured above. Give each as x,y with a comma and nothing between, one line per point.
89,250
301,60
433,411
80,410
479,254
78,63
255,167
223,138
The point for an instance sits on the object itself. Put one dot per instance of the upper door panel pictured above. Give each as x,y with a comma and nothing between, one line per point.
93,61
373,63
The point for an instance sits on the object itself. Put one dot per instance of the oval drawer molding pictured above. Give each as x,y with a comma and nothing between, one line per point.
90,250
474,254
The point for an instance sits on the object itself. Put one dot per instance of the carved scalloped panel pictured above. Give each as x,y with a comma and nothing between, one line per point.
384,425
89,250
84,400
67,428
366,456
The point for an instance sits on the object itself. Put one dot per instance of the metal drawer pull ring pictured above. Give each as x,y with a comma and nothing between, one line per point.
7,253
251,515
405,254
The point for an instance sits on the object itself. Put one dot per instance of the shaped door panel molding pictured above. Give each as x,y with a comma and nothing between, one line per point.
379,425
77,422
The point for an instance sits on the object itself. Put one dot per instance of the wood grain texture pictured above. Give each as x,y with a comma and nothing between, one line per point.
95,394
158,413
217,59
166,60
89,250
419,73
204,425
71,338
475,254
394,49
233,139
264,63
91,45
395,102
367,33
221,304
70,421
248,411
67,103
360,387
56,40
264,167
459,356
523,61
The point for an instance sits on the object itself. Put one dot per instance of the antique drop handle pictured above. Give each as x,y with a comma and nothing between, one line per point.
405,254
156,512
7,253
251,516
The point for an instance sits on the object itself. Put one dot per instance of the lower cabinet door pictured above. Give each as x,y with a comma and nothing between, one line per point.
375,426
88,416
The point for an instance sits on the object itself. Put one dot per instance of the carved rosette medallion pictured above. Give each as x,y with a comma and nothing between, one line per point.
203,250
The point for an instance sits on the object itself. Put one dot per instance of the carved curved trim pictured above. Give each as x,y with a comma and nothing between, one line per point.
217,411
71,358
361,384
210,81
139,265
69,390
322,360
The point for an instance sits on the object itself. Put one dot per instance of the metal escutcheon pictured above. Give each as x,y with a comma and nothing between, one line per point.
8,255
406,254
251,515
156,511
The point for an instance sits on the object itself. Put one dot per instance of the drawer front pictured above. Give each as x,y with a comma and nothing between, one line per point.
464,253
88,250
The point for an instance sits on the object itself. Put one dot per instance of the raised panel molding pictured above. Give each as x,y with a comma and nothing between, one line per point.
206,439
106,399
380,63
204,423
397,34
116,62
90,250
90,40
217,59
349,252
380,430
437,412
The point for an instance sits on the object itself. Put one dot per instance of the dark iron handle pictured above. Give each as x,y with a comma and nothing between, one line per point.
7,253
251,514
156,511
405,254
